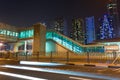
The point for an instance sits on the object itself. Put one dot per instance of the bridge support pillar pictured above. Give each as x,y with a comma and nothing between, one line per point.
39,40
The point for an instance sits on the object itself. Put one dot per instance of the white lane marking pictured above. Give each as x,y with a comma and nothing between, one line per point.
20,76
78,78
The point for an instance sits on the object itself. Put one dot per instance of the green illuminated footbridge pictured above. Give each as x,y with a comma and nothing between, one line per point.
60,39
65,42
73,45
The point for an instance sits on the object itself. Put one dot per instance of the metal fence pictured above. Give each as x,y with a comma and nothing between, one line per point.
66,57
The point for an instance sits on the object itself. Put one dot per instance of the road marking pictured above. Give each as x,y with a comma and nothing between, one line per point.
20,76
78,78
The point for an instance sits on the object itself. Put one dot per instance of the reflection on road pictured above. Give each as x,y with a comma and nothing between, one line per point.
40,63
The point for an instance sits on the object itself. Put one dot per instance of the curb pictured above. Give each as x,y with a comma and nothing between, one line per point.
111,66
69,63
94,65
91,65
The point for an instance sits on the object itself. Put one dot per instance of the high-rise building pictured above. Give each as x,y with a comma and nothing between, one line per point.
78,30
58,25
106,28
118,8
109,25
113,14
90,29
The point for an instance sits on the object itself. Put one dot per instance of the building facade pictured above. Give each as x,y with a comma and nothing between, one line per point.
30,39
58,25
106,29
90,29
78,30
113,13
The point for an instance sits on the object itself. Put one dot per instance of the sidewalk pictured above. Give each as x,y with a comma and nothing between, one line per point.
8,61
105,65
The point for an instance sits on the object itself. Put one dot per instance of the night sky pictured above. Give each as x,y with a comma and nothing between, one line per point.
27,12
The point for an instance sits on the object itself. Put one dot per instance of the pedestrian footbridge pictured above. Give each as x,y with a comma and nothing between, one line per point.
72,45
23,39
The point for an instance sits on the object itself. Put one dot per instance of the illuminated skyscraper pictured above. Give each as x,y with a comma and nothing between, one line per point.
90,29
113,14
59,25
78,31
106,28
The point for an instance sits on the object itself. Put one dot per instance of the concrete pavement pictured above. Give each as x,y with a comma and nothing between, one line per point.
8,61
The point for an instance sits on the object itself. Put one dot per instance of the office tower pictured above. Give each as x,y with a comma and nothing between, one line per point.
58,25
106,28
90,29
78,30
113,14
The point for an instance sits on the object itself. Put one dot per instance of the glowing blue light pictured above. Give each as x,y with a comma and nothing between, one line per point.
106,29
90,29
69,44
26,34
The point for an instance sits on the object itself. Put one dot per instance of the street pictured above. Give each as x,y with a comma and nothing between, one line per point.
30,70
20,72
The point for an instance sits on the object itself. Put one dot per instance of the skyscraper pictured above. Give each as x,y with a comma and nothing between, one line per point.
90,29
78,30
59,25
105,28
113,14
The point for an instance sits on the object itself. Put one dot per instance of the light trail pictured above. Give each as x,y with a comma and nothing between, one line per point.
20,76
77,78
40,63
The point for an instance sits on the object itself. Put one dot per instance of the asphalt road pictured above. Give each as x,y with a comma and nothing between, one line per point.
15,71
38,74
11,72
